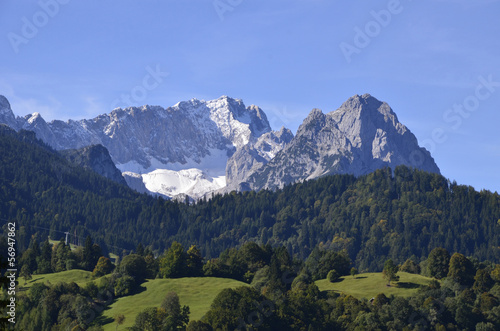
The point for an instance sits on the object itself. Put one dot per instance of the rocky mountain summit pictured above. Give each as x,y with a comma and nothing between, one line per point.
197,147
6,115
251,157
144,136
97,158
363,135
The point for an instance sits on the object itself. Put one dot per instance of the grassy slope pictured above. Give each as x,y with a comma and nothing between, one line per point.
81,277
197,293
369,285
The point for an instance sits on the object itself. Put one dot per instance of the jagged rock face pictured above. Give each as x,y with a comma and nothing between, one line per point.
95,157
6,115
251,157
361,136
197,147
182,149
37,124
186,131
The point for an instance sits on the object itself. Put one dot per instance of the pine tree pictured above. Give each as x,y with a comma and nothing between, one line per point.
438,262
44,260
60,255
87,254
140,249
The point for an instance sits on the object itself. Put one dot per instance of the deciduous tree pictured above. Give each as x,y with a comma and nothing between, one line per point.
178,316
135,266
194,262
103,267
26,273
354,272
461,270
174,263
390,272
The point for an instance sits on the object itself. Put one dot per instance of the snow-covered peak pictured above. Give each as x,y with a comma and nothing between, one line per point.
34,117
232,120
252,118
226,116
190,105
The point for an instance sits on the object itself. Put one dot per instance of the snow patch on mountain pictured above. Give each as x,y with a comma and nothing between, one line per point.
191,178
34,117
193,182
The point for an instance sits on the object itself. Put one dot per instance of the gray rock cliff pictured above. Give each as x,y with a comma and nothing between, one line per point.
6,115
96,158
363,135
197,147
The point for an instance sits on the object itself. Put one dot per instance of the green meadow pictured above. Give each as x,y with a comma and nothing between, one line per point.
368,285
80,277
199,292
195,292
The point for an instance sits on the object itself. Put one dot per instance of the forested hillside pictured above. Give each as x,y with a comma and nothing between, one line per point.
397,215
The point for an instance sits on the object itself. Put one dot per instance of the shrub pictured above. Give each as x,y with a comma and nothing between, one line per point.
333,276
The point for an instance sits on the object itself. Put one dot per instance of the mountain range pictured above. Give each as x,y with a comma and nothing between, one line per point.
198,147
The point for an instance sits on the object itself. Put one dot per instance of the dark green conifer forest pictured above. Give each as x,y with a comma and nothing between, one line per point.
397,214
279,243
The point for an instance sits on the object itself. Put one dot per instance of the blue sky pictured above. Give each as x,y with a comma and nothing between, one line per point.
436,62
